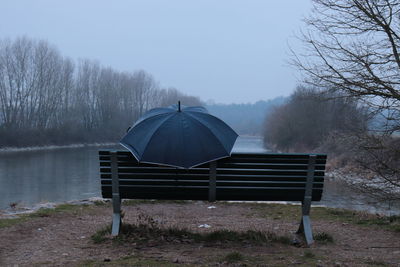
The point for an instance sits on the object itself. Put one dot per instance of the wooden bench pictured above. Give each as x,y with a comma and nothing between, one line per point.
243,177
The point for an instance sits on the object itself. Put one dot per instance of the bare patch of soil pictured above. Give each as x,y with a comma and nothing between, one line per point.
64,238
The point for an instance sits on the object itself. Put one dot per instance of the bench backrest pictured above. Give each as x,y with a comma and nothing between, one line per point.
243,176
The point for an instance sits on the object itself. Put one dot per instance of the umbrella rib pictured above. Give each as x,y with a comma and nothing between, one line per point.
208,129
133,149
158,128
151,117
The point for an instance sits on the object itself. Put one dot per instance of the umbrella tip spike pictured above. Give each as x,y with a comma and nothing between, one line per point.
179,106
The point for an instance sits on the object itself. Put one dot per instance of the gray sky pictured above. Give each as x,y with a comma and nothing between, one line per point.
230,51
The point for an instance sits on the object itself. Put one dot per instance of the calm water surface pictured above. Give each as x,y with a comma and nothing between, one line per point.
59,175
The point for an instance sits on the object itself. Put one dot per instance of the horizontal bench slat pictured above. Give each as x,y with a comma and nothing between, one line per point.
294,166
206,177
220,171
221,194
155,182
234,155
132,160
105,152
273,166
179,187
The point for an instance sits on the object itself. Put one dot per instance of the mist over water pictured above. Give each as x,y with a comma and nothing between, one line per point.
65,174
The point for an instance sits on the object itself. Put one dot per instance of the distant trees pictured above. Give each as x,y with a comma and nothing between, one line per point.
309,116
245,119
47,98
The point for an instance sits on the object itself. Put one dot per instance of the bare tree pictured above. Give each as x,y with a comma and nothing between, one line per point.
143,84
85,95
32,84
352,46
17,78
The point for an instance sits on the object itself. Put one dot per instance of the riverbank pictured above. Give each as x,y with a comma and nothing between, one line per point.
166,233
251,138
52,147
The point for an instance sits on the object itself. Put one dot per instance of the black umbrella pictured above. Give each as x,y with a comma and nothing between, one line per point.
179,137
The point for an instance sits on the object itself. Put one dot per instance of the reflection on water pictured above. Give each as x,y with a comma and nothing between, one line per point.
251,144
58,175
48,175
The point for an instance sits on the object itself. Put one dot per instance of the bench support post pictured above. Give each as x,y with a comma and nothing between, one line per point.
305,225
213,182
116,199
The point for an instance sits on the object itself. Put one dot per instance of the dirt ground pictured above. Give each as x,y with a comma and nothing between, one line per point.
65,238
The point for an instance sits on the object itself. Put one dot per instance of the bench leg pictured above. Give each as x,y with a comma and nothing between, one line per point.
116,220
305,229
212,186
116,198
305,224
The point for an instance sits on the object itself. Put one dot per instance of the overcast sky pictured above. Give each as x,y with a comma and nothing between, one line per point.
231,51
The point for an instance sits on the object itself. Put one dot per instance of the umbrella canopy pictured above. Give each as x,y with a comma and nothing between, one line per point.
179,137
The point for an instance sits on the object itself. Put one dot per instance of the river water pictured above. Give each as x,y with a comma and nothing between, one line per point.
63,174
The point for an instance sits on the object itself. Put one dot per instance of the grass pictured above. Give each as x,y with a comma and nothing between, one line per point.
233,257
136,261
102,203
308,254
46,212
376,263
100,236
43,212
293,212
142,233
251,236
391,223
71,208
323,237
134,202
12,221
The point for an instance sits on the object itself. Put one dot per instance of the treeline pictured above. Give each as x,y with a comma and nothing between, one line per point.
46,98
309,117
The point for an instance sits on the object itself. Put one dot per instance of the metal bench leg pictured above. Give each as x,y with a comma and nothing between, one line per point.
116,220
212,186
116,199
305,224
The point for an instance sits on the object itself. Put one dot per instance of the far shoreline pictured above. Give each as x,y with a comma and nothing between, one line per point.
51,147
77,145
